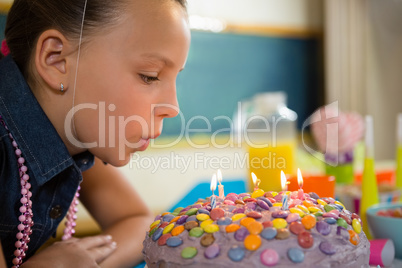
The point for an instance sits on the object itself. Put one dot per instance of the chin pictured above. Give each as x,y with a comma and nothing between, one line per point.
112,157
119,163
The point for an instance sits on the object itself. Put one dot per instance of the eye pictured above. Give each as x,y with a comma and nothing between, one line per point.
148,79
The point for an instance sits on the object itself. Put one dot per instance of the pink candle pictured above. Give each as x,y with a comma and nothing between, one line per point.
220,186
300,192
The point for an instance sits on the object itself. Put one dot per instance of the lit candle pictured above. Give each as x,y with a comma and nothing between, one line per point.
213,187
220,186
257,192
300,192
256,181
285,197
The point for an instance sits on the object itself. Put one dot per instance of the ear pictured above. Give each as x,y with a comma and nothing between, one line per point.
51,56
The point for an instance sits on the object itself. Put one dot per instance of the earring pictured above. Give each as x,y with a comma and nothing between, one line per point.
61,88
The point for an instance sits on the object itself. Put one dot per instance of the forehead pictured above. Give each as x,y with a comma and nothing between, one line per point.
147,29
154,25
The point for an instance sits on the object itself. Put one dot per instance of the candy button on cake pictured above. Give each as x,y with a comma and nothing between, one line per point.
242,231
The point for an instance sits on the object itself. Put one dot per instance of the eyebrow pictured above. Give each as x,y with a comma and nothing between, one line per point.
158,57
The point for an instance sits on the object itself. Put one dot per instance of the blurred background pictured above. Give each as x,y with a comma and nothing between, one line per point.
316,52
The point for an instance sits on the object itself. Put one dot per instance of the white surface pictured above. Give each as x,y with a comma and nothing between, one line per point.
163,176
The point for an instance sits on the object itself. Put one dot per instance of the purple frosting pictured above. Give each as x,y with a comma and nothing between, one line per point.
341,231
230,208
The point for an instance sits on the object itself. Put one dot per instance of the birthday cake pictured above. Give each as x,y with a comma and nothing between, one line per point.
258,230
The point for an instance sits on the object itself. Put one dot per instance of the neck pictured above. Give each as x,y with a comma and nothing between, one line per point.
56,106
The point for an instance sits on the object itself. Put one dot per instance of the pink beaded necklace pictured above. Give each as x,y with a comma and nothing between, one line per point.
26,222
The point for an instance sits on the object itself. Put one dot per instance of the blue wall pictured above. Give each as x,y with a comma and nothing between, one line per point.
224,68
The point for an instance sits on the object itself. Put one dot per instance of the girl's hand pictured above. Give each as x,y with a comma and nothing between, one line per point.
75,252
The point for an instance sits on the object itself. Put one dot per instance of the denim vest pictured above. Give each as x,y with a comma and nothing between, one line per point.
54,174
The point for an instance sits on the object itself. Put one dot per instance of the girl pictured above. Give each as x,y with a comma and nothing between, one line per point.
87,82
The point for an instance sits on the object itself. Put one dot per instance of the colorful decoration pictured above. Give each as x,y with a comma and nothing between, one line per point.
254,221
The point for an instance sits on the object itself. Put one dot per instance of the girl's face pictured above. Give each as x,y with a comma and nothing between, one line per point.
126,82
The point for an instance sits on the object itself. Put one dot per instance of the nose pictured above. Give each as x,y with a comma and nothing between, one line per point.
168,105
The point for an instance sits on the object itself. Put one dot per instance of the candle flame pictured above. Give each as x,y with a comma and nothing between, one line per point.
213,183
256,181
299,178
219,176
254,177
283,181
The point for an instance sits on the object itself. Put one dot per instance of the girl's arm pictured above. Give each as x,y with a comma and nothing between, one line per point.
119,210
2,261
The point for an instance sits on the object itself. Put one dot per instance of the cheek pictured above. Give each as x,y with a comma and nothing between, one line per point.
124,108
135,117
87,122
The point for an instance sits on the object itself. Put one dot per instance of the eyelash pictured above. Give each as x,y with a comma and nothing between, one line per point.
148,79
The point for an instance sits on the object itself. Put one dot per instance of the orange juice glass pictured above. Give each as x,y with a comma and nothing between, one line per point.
268,162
